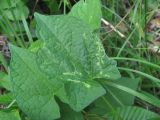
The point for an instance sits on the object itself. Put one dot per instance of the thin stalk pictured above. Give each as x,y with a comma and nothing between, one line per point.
64,6
126,41
152,100
11,27
8,34
20,41
153,79
27,29
138,60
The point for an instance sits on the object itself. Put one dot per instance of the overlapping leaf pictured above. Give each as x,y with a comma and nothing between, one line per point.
89,11
32,89
66,66
4,3
115,97
13,9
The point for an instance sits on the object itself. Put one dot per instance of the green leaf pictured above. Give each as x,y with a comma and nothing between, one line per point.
65,66
83,54
32,88
81,93
6,98
69,114
75,40
15,10
9,115
5,81
115,97
157,118
148,98
35,46
131,113
4,3
19,11
3,61
89,11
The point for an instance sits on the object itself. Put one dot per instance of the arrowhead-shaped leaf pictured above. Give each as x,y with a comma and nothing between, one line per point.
66,65
32,88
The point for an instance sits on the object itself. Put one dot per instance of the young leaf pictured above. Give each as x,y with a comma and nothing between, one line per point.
89,11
